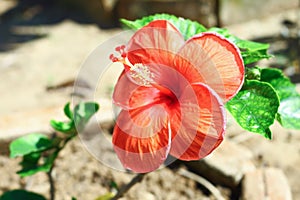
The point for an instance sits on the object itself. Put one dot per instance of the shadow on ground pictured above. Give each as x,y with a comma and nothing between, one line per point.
16,23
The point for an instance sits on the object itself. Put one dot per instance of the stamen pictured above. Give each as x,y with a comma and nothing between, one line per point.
121,51
138,72
141,74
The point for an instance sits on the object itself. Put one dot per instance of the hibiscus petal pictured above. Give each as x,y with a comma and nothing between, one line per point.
217,63
198,124
157,42
152,49
141,138
129,95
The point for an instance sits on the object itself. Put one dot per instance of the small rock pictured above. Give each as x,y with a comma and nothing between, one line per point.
268,183
145,195
253,185
226,165
277,185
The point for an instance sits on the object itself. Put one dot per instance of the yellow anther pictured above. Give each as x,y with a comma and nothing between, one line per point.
141,74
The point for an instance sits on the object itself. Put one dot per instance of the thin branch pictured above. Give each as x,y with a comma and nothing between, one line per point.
52,184
52,189
211,188
138,178
218,13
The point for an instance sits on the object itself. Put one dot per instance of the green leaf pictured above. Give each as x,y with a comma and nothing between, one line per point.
255,107
31,148
68,112
83,112
31,166
253,73
242,44
64,127
282,84
30,143
251,51
21,195
254,56
114,185
250,45
187,27
289,109
29,162
289,113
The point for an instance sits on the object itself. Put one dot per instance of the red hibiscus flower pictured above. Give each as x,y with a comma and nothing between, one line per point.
172,94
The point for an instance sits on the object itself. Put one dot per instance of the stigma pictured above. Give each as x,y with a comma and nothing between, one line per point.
138,72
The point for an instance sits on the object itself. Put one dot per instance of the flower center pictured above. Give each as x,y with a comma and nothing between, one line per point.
138,72
141,74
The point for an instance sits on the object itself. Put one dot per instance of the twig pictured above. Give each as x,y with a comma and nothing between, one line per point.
49,174
52,184
138,178
218,13
213,190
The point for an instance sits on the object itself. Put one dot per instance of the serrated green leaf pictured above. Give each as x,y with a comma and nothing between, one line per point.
251,51
187,27
289,109
255,107
254,56
83,112
30,143
253,73
21,195
242,44
64,127
289,113
68,112
284,87
250,45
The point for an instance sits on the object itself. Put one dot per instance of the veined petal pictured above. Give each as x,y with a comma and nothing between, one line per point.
129,95
156,43
152,49
198,124
142,138
211,59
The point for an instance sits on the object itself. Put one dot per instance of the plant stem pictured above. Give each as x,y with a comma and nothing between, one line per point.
49,174
52,184
138,178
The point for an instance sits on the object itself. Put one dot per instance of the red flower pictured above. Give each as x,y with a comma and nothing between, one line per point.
172,94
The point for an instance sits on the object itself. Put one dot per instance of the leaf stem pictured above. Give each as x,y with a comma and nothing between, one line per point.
138,178
49,174
52,184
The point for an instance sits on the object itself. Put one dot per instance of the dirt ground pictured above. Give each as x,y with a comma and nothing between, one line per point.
51,54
